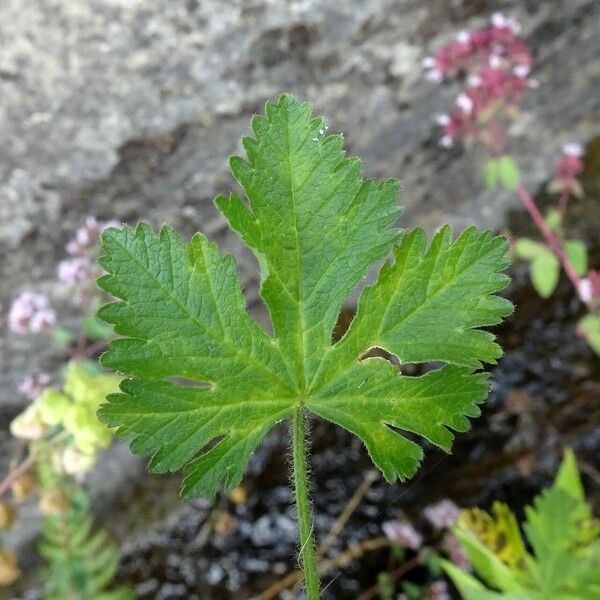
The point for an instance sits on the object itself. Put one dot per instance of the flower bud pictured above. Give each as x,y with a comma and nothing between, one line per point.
22,487
75,462
28,425
9,571
403,534
54,502
7,515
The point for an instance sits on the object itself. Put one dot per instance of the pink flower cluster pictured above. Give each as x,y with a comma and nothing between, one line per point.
87,237
442,515
589,287
80,268
30,312
568,167
33,385
73,271
496,63
403,534
438,590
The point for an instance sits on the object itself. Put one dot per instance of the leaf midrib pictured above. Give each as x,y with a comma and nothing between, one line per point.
300,349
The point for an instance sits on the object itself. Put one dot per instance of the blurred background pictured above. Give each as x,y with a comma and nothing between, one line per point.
128,109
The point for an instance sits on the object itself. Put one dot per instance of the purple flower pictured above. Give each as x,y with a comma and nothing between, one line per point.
442,514
30,312
87,236
455,552
438,590
75,270
403,534
33,385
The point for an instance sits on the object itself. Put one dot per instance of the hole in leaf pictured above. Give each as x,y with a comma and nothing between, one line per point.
185,382
376,351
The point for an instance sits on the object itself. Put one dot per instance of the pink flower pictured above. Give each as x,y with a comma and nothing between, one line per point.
455,552
403,534
465,103
521,71
438,590
42,320
496,64
568,167
505,24
88,235
594,277
573,149
30,312
75,270
589,287
33,385
463,37
442,515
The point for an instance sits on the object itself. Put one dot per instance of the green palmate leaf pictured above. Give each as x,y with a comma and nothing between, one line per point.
81,563
316,228
563,536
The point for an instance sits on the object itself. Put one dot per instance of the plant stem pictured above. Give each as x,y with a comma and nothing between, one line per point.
563,201
394,577
13,475
340,561
308,559
553,242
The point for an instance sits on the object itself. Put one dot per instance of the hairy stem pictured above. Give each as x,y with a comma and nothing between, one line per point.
553,242
340,561
308,559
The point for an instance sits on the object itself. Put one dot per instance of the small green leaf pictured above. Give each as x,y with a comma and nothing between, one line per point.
563,535
61,337
471,589
554,219
491,174
468,586
568,478
545,271
577,254
528,249
590,327
385,586
80,563
508,172
544,267
413,591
